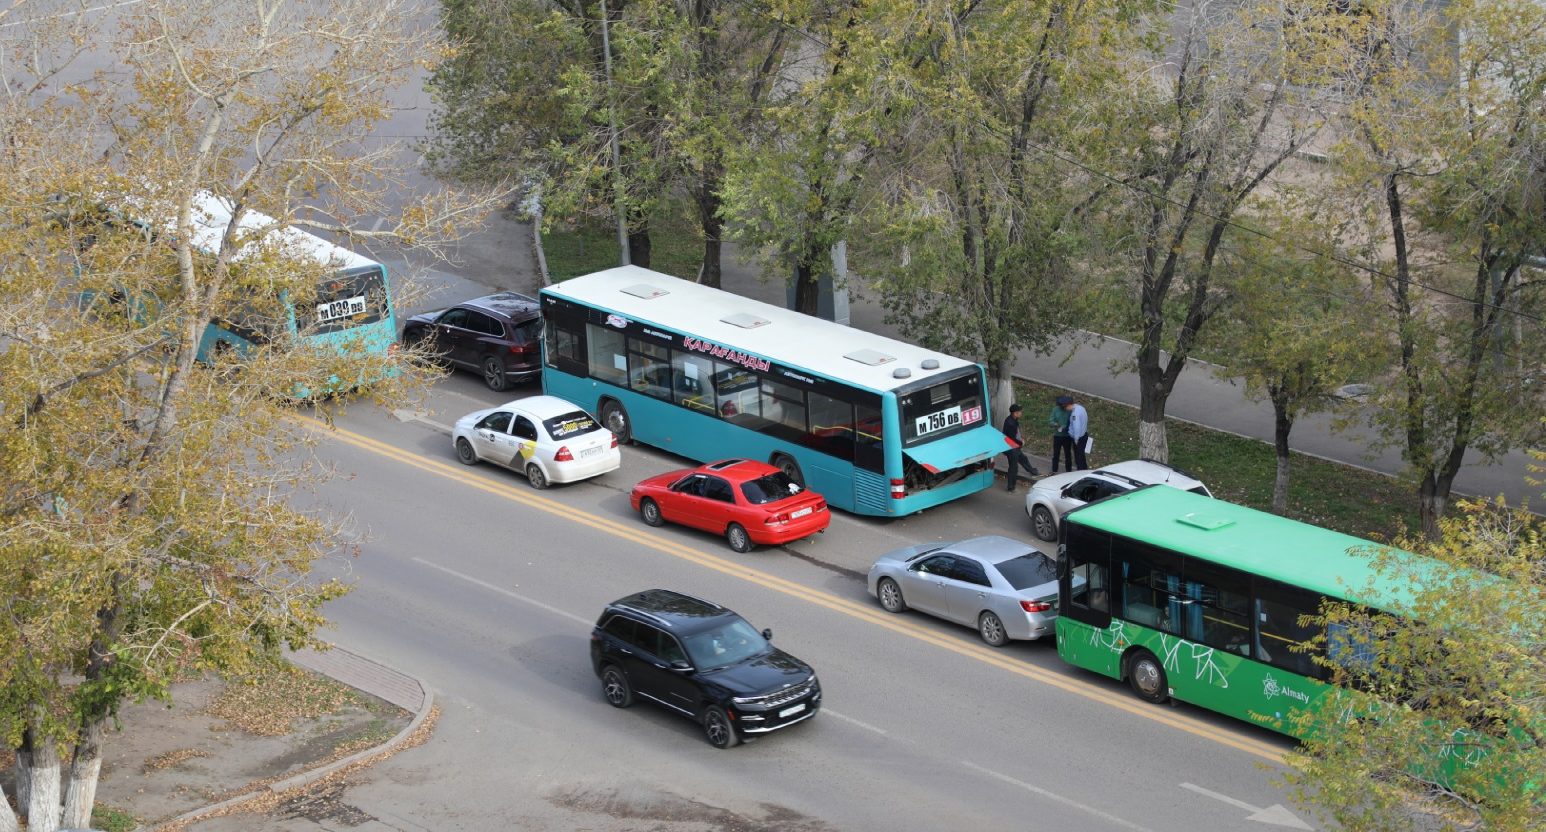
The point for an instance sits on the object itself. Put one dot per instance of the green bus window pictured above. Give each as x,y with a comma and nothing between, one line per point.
1278,613
1089,554
1219,612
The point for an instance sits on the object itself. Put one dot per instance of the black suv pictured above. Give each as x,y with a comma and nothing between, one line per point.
497,336
702,661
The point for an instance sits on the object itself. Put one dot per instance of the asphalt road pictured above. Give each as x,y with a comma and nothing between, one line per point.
487,589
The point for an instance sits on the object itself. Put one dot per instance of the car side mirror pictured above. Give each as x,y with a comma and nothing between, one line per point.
767,634
681,666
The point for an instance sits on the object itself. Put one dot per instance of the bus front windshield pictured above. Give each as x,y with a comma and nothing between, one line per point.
346,300
943,408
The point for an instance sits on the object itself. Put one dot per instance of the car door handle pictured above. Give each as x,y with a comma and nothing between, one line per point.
625,651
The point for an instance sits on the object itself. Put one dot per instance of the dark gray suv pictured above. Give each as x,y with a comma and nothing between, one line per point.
702,661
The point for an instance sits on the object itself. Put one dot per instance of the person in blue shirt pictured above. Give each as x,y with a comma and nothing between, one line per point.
1078,430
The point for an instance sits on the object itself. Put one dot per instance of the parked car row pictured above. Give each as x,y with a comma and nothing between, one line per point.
695,657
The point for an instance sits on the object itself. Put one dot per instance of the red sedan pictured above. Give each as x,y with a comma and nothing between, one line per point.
747,502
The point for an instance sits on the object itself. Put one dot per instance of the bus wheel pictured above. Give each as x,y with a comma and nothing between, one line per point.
1147,677
790,468
494,374
615,418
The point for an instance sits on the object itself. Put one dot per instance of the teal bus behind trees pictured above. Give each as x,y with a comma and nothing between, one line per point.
875,425
1205,601
350,313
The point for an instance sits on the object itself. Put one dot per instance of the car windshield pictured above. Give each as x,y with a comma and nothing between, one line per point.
731,642
1028,570
770,488
570,425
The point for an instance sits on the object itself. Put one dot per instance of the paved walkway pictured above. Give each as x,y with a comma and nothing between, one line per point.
365,675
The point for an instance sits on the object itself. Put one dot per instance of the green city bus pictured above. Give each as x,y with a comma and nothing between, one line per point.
1187,597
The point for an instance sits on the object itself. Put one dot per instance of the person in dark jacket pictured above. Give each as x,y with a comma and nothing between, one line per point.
1016,456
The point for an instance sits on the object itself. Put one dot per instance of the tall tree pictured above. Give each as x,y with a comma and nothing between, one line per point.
1214,114
1295,324
969,237
143,524
1443,159
1438,721
790,188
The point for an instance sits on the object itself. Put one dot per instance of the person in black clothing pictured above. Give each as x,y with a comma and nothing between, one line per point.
1016,456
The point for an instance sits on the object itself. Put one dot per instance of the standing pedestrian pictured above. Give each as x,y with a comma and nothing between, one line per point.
1062,443
1078,431
1016,456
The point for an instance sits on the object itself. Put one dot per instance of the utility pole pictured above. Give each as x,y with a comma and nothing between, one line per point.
617,165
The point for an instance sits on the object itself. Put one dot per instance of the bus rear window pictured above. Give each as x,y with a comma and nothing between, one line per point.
944,408
570,425
770,488
346,300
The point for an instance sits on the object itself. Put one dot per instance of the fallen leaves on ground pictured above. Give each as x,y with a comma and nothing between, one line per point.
269,704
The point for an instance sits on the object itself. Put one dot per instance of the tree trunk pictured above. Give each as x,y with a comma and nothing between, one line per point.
713,227
1153,439
24,773
1283,425
43,802
1432,502
81,792
806,290
8,821
639,247
1002,389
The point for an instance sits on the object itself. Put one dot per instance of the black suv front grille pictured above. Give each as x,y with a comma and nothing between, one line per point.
773,700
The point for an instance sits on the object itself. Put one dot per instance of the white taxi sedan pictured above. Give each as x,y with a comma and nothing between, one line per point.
544,437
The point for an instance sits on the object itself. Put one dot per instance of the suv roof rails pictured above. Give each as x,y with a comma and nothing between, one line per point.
1125,479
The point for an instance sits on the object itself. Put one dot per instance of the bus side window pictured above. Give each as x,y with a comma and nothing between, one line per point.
1278,610
608,358
693,388
832,426
869,453
1088,553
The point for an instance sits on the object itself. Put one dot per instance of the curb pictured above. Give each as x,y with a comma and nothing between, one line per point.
310,776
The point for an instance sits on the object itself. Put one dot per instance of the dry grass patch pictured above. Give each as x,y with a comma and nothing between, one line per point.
268,704
172,758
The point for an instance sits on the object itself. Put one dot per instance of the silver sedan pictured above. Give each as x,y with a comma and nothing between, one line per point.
1003,587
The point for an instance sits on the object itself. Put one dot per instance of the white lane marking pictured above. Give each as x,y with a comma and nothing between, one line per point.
850,720
1274,815
505,592
1054,796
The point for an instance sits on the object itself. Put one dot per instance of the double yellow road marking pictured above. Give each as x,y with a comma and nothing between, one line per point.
844,606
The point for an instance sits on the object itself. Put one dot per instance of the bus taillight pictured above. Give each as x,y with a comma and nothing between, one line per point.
898,489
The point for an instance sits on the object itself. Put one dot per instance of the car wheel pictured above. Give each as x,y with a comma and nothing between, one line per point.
1043,524
614,418
740,541
790,468
992,630
890,596
465,454
614,686
1147,677
650,511
717,728
535,476
494,374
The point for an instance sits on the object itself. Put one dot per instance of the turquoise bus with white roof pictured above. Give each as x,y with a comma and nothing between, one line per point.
353,306
352,309
875,425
